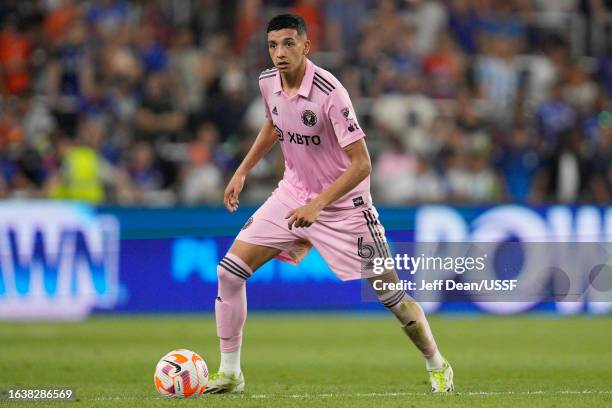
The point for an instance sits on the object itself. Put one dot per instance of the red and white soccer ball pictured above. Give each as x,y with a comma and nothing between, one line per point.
181,374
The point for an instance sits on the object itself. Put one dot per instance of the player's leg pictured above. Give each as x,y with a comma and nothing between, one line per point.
410,315
234,269
414,323
347,245
264,236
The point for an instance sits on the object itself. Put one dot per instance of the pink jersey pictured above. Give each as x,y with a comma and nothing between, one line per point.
313,126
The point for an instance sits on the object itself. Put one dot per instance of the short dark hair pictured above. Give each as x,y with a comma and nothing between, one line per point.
287,21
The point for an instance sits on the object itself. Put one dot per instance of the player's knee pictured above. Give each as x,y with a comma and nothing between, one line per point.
225,277
410,311
232,272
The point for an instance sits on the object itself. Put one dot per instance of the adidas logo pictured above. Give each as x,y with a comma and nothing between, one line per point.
274,111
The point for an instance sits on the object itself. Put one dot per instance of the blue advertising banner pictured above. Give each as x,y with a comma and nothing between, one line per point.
66,260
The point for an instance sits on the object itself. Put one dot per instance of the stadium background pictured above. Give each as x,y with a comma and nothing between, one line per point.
141,111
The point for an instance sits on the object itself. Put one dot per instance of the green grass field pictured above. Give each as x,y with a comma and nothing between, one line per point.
321,360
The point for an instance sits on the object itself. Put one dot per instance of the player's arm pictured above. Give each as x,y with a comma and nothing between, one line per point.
359,169
262,145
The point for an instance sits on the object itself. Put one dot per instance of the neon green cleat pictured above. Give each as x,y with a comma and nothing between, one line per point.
221,383
442,379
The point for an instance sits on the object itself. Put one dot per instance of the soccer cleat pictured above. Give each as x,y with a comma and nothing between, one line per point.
442,379
221,383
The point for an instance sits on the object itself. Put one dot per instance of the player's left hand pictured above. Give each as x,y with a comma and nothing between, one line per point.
303,217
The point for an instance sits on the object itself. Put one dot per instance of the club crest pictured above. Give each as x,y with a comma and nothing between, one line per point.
309,118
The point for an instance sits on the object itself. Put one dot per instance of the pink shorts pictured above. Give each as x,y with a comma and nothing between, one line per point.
347,241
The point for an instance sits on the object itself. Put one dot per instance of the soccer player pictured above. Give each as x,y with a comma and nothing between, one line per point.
323,201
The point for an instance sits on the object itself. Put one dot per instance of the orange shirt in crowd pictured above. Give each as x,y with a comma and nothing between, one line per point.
310,10
57,22
15,51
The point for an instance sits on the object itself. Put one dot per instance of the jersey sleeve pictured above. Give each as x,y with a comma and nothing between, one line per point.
262,89
343,119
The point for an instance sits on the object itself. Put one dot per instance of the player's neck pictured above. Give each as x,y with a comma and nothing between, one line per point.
291,81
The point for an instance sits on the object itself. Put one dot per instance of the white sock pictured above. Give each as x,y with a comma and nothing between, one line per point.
230,362
434,362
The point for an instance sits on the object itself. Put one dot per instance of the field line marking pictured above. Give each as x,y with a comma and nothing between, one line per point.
378,394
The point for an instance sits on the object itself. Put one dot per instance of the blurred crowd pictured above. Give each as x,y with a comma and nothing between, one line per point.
156,102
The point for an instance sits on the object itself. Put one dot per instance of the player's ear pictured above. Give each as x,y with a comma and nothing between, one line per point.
306,46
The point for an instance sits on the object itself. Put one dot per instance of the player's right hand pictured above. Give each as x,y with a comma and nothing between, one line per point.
232,191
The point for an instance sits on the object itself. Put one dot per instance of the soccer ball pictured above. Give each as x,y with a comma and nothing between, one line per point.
181,374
